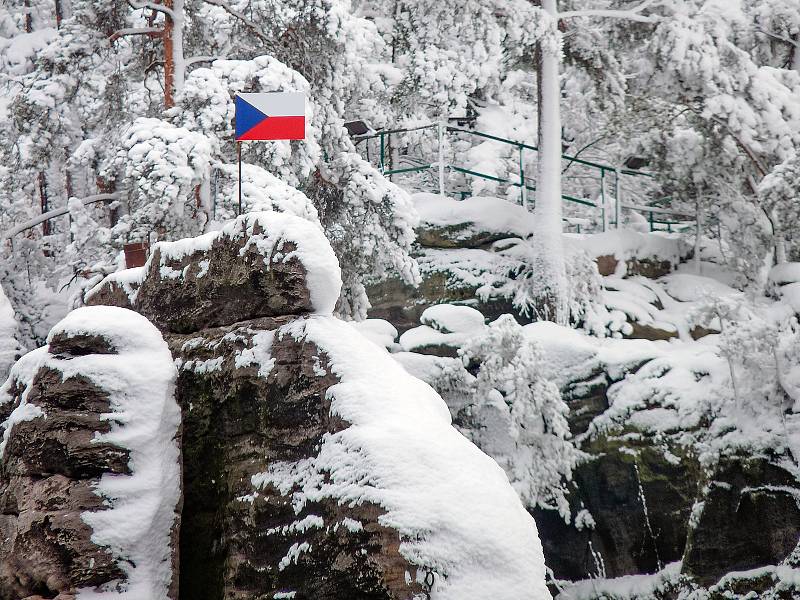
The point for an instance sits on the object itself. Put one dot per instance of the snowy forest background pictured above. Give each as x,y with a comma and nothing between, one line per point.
707,91
122,114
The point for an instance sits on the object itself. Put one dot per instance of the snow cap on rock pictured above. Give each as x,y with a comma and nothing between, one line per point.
261,264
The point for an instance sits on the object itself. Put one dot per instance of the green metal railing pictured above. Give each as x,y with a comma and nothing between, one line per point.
525,184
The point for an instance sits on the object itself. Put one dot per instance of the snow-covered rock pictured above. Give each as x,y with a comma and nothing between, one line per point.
314,464
445,327
9,346
451,318
90,483
471,223
261,264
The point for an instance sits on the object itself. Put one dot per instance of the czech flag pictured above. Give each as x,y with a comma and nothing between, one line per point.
271,116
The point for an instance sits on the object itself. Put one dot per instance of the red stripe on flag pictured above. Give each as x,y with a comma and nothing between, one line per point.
277,128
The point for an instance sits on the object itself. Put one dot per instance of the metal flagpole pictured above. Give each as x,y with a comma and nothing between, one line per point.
239,153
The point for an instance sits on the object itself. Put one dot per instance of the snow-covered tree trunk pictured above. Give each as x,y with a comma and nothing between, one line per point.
548,244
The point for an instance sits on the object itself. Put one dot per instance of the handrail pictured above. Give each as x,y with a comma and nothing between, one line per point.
516,143
656,210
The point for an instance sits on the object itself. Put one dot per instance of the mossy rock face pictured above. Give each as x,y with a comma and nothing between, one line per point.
586,399
750,519
236,423
640,495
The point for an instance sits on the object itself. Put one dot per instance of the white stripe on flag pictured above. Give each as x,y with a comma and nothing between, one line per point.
278,104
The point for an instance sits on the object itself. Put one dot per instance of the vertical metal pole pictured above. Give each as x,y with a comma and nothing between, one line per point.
603,199
698,236
652,225
383,154
440,132
617,199
239,152
522,189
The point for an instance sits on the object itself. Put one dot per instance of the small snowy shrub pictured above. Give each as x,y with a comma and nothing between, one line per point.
525,281
515,414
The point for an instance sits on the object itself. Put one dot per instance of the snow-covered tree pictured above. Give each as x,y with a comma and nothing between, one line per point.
514,413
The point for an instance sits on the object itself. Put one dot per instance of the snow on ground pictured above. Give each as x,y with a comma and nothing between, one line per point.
452,505
144,418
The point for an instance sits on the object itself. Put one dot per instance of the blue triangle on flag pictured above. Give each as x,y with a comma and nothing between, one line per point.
247,117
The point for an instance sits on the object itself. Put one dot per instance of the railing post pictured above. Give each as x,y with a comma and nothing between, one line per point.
381,166
440,132
652,225
698,236
617,199
523,192
604,212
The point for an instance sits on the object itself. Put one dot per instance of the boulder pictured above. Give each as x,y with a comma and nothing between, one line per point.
242,415
260,265
90,465
471,223
445,328
314,466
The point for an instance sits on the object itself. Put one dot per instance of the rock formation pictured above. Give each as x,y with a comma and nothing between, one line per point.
313,466
90,475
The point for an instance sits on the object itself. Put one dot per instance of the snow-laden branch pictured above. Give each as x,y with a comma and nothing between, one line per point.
153,6
56,212
795,43
632,14
135,31
200,59
235,13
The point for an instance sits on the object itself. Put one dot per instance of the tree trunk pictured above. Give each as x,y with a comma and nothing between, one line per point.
43,200
169,63
28,17
174,65
551,289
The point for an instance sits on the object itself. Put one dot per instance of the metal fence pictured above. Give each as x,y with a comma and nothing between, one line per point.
604,176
